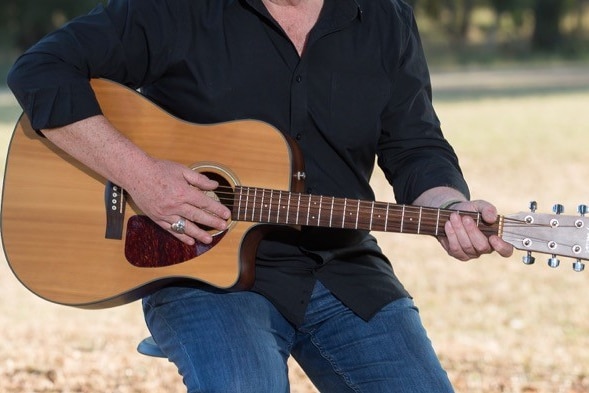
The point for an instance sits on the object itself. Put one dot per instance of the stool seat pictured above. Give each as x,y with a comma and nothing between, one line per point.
149,347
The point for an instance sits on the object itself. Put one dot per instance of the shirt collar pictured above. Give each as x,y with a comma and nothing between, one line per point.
339,12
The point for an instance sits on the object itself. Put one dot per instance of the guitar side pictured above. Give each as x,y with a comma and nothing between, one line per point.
54,214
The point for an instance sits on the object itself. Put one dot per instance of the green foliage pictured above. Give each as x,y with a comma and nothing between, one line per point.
485,31
23,22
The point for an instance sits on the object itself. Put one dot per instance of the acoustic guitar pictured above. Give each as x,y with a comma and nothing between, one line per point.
71,237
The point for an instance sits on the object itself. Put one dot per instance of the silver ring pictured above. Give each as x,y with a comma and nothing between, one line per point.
179,226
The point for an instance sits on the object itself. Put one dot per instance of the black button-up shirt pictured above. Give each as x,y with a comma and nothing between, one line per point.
360,90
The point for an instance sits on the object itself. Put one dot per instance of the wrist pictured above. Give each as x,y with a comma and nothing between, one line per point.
448,204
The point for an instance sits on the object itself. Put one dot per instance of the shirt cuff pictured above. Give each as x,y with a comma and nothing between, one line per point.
52,107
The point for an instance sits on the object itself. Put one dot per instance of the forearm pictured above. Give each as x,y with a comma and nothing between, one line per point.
98,145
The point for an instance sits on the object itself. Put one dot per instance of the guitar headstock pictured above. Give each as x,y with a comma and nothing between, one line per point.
553,234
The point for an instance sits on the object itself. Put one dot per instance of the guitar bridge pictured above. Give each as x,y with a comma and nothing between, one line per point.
114,201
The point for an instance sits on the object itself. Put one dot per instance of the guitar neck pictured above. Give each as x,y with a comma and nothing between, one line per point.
288,208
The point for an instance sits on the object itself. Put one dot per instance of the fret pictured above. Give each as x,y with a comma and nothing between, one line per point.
251,202
357,214
344,213
241,207
308,209
437,223
298,208
288,209
270,206
263,203
386,220
235,211
278,208
331,211
402,219
254,204
371,216
239,193
247,195
319,212
419,220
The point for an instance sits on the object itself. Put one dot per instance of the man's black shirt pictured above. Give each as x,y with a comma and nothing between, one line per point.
360,91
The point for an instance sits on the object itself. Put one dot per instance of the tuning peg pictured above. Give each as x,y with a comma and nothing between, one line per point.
528,259
558,208
582,209
533,206
578,266
553,261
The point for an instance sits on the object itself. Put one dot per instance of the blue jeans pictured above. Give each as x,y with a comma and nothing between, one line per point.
239,343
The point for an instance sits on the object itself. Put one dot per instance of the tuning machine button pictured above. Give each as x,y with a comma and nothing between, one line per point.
558,208
553,261
528,259
578,266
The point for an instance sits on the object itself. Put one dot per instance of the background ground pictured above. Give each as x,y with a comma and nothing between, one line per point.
498,326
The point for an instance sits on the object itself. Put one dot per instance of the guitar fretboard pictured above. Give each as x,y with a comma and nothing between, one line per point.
284,207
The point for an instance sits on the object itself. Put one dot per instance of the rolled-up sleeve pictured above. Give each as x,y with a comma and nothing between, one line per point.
412,151
51,79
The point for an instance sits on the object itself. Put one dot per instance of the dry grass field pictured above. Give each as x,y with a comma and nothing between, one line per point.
498,325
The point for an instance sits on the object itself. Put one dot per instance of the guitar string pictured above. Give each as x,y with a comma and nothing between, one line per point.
352,207
340,205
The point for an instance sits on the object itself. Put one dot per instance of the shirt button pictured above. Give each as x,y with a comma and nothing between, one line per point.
299,136
299,78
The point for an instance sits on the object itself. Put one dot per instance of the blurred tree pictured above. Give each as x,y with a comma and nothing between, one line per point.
454,16
24,22
547,35
514,8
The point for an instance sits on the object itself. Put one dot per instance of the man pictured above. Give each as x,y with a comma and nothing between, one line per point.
348,80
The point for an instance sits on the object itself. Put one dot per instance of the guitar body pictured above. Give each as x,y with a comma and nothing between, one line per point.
54,210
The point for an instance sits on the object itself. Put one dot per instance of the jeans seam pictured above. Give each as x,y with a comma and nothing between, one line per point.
334,365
